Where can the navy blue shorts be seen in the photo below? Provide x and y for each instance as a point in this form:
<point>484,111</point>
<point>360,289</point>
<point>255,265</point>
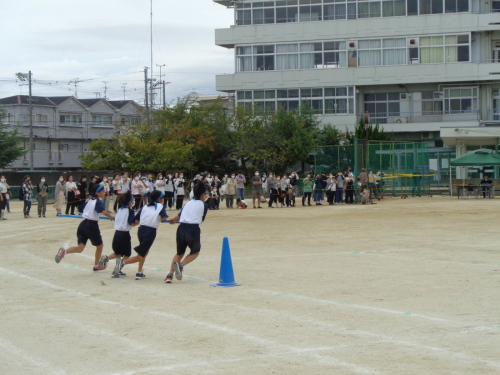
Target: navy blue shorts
<point>146,236</point>
<point>122,243</point>
<point>188,235</point>
<point>89,230</point>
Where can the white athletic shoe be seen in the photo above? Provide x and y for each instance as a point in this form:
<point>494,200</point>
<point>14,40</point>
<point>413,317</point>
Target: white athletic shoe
<point>178,267</point>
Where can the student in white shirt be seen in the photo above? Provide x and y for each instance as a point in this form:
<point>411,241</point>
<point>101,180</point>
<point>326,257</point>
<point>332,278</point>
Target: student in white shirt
<point>89,229</point>
<point>188,232</point>
<point>149,217</point>
<point>122,243</point>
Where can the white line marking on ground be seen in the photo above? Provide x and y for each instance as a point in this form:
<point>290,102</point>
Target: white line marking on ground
<point>223,329</point>
<point>11,348</point>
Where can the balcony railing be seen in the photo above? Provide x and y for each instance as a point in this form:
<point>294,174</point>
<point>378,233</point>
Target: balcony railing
<point>422,117</point>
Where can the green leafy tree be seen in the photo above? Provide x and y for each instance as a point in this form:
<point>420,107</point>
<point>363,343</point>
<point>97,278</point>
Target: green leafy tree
<point>10,144</point>
<point>375,133</point>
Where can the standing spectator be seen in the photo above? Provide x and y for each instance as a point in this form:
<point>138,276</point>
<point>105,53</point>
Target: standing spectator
<point>94,181</point>
<point>281,193</point>
<point>9,196</point>
<point>179,186</point>
<point>169,191</point>
<point>59,194</point>
<point>256,189</point>
<point>264,187</point>
<point>126,182</point>
<point>294,179</point>
<point>82,187</point>
<point>107,191</point>
<point>116,184</point>
<point>339,194</point>
<point>331,188</point>
<point>287,189</point>
<point>137,188</point>
<point>71,195</point>
<point>224,181</point>
<point>4,189</point>
<point>149,187</point>
<point>318,189</point>
<point>240,185</point>
<point>27,188</point>
<point>323,178</point>
<point>308,189</point>
<point>486,184</point>
<point>363,179</point>
<point>42,190</point>
<point>271,188</point>
<point>349,187</point>
<point>230,191</point>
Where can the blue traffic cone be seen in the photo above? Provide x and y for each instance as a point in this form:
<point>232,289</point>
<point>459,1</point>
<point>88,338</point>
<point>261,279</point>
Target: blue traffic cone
<point>226,275</point>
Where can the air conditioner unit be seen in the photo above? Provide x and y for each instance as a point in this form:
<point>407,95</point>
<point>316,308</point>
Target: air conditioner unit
<point>402,95</point>
<point>400,120</point>
<point>427,135</point>
<point>437,95</point>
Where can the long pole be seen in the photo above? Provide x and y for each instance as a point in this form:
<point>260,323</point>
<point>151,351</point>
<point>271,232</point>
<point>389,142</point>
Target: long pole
<point>31,121</point>
<point>146,93</point>
<point>151,42</point>
<point>163,88</point>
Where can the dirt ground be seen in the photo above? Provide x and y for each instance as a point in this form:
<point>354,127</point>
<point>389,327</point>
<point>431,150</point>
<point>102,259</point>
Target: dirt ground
<point>400,287</point>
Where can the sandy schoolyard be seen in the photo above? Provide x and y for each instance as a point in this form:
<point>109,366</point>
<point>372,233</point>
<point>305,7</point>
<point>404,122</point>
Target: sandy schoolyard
<point>400,287</point>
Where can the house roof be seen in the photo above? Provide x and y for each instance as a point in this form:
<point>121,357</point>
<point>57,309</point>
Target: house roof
<point>24,99</point>
<point>60,99</point>
<point>89,102</point>
<point>121,103</point>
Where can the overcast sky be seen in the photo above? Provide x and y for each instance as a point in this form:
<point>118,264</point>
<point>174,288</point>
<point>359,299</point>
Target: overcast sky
<point>109,40</point>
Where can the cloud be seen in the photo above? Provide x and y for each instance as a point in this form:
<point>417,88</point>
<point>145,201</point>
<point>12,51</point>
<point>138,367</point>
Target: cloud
<point>109,41</point>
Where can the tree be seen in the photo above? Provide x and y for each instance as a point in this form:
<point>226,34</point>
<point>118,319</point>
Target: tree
<point>10,144</point>
<point>275,141</point>
<point>366,133</point>
<point>179,138</point>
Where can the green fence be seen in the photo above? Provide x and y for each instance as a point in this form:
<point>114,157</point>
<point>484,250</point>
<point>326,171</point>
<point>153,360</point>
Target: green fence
<point>404,166</point>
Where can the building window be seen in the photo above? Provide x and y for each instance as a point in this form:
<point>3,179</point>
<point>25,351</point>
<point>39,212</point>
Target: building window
<point>328,100</point>
<point>263,15</point>
<point>288,14</point>
<point>70,119</point>
<point>369,52</point>
<point>456,6</point>
<point>431,6</point>
<point>432,104</point>
<point>284,11</point>
<point>460,100</point>
<point>393,8</point>
<point>310,12</point>
<point>263,57</point>
<point>382,105</point>
<point>102,120</point>
<point>243,16</point>
<point>369,9</point>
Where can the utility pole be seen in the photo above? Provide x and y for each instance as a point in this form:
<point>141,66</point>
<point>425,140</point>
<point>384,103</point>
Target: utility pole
<point>162,83</point>
<point>146,93</point>
<point>163,88</point>
<point>23,77</point>
<point>151,50</point>
<point>76,81</point>
<point>105,89</point>
<point>124,87</point>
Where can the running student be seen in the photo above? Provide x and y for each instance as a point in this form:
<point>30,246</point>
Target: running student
<point>188,232</point>
<point>89,228</point>
<point>124,221</point>
<point>150,217</point>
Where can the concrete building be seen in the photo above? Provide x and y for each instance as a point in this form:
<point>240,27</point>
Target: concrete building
<point>413,66</point>
<point>63,127</point>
